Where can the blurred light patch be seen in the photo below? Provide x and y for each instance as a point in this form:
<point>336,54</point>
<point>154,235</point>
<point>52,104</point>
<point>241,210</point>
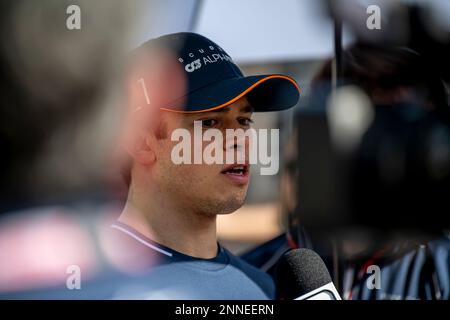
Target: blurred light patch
<point>349,114</point>
<point>36,250</point>
<point>248,226</point>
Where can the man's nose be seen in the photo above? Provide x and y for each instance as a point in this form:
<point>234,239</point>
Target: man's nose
<point>235,142</point>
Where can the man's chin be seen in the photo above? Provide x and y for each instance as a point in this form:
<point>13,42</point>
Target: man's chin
<point>220,202</point>
<point>230,205</point>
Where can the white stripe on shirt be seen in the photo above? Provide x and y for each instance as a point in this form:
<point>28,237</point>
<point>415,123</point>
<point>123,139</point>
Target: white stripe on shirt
<point>146,243</point>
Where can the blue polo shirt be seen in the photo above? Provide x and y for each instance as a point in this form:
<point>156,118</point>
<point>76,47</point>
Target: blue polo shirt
<point>174,275</point>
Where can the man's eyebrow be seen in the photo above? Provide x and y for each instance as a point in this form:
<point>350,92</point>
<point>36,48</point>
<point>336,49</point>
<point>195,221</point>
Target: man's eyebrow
<point>248,108</point>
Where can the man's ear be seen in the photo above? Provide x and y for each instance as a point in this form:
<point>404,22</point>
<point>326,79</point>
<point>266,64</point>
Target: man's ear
<point>141,147</point>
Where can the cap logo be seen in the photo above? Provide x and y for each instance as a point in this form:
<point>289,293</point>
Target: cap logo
<point>207,58</point>
<point>194,65</point>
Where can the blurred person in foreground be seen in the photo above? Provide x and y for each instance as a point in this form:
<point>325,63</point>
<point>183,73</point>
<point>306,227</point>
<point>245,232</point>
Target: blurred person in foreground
<point>171,211</point>
<point>383,196</point>
<point>60,115</point>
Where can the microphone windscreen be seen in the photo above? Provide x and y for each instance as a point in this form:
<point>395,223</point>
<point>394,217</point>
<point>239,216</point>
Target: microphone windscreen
<point>300,271</point>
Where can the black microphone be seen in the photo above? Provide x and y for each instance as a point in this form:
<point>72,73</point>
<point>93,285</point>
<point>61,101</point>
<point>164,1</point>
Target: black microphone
<point>302,275</point>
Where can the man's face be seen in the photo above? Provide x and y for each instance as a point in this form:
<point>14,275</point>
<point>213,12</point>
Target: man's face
<point>205,188</point>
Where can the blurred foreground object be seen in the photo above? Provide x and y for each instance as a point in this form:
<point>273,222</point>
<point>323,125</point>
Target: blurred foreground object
<point>375,152</point>
<point>60,97</point>
<point>421,25</point>
<point>367,173</point>
<point>62,117</point>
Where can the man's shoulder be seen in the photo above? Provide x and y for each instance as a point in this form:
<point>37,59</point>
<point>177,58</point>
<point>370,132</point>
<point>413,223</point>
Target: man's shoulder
<point>262,279</point>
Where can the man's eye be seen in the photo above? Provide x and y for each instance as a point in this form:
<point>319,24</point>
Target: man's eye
<point>209,123</point>
<point>245,121</point>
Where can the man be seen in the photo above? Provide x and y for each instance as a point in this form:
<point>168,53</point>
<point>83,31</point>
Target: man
<point>170,214</point>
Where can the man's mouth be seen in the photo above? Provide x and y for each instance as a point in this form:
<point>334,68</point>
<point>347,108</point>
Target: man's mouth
<point>239,173</point>
<point>236,169</point>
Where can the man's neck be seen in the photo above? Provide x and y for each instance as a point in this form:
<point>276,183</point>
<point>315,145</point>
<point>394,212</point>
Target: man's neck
<point>182,230</point>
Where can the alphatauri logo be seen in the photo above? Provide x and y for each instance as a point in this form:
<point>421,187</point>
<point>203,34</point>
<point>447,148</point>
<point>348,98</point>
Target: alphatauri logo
<point>194,65</point>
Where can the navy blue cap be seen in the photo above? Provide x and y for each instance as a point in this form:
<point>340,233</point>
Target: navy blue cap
<point>214,81</point>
